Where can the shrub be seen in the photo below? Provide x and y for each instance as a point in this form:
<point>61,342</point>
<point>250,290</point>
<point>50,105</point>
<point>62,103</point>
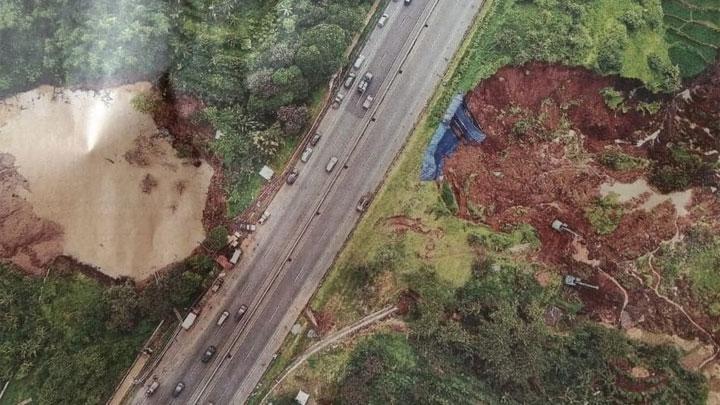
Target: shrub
<point>605,214</point>
<point>216,239</point>
<point>619,161</point>
<point>448,198</point>
<point>146,102</point>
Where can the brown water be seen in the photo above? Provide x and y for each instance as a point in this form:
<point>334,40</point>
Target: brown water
<point>70,146</point>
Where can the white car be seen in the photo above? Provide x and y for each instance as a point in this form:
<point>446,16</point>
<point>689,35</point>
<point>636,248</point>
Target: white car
<point>382,20</point>
<point>306,154</point>
<point>331,164</point>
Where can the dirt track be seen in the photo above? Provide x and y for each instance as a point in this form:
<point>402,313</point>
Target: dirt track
<point>102,185</point>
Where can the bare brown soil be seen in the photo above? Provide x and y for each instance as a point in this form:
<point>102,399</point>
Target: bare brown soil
<point>30,240</point>
<point>547,126</point>
<point>177,114</point>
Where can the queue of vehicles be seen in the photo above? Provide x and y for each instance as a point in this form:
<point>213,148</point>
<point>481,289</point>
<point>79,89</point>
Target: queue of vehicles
<point>292,176</point>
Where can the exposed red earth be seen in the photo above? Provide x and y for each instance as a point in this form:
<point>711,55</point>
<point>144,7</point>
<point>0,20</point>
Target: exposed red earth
<point>547,127</point>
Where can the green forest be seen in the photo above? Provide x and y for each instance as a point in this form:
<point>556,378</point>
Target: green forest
<point>489,341</point>
<point>67,338</point>
<point>255,65</point>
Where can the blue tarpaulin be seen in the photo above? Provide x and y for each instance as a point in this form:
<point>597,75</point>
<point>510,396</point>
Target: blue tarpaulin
<point>445,141</point>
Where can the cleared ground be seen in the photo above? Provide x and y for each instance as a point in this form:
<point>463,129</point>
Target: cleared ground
<point>95,180</point>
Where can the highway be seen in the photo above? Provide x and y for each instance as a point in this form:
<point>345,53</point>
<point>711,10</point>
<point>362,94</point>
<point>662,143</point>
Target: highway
<point>286,259</point>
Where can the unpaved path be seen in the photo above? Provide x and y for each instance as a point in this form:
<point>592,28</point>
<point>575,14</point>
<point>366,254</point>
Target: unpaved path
<point>335,337</point>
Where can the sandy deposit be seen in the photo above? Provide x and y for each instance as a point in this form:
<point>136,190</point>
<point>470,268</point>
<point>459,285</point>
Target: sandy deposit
<point>97,168</point>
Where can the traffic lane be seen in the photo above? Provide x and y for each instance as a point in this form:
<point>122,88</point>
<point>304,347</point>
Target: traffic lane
<point>200,348</point>
<point>329,231</point>
<point>381,59</point>
<point>292,277</point>
<point>321,233</point>
<point>457,36</point>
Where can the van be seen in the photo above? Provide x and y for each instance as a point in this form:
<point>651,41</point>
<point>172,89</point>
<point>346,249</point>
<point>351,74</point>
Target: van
<point>222,318</point>
<point>306,154</point>
<point>382,20</point>
<point>359,62</point>
<point>236,256</point>
<point>331,164</point>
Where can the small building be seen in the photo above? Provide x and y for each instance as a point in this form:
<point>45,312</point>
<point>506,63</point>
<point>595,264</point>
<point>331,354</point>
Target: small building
<point>302,397</point>
<point>266,173</point>
<point>223,262</point>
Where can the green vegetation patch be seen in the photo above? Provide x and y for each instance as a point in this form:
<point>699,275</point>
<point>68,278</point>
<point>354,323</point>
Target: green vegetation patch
<point>488,340</point>
<point>65,337</point>
<point>605,214</point>
<point>693,33</point>
<point>616,160</point>
<point>697,259</point>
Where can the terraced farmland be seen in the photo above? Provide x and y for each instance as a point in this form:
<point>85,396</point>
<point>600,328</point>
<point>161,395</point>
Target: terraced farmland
<point>693,32</point>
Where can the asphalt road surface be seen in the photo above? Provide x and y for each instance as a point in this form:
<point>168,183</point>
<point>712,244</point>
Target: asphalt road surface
<point>287,257</point>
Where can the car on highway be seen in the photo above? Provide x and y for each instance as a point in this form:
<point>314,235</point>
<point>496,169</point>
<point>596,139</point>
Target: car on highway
<point>153,387</point>
<point>208,354</point>
<point>222,318</point>
<point>407,2</point>
<point>331,164</point>
<point>292,176</point>
<point>338,100</point>
<point>368,102</point>
<point>350,80</point>
<point>364,202</point>
<point>382,20</point>
<point>240,313</point>
<point>359,62</point>
<point>178,389</point>
<point>217,285</point>
<point>264,217</point>
<point>306,154</point>
<point>315,139</point>
<point>365,82</point>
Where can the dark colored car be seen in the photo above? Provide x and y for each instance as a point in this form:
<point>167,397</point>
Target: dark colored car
<point>240,313</point>
<point>364,202</point>
<point>209,353</point>
<point>292,176</point>
<point>315,139</point>
<point>178,389</point>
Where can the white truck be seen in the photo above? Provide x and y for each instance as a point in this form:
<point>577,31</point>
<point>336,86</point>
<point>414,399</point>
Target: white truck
<point>365,82</point>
